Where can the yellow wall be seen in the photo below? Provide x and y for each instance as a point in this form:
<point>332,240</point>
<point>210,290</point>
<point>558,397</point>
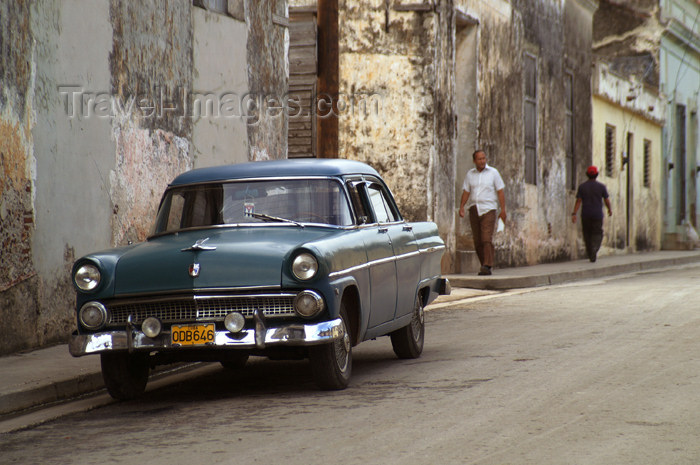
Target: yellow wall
<point>646,218</point>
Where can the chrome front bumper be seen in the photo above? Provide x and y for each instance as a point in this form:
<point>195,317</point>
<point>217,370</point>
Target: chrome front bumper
<point>254,338</point>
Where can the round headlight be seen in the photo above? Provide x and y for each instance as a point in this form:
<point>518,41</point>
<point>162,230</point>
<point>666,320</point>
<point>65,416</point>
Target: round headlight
<point>87,277</point>
<point>305,266</point>
<point>234,322</point>
<point>308,304</point>
<point>93,315</point>
<point>151,327</point>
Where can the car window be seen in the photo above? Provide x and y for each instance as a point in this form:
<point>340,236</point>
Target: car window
<point>382,211</point>
<point>361,212</point>
<point>320,201</point>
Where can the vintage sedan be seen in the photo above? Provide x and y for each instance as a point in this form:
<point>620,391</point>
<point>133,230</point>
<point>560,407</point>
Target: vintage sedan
<point>284,259</point>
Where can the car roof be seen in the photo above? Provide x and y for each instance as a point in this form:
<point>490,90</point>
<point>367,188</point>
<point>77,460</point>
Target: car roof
<point>275,168</point>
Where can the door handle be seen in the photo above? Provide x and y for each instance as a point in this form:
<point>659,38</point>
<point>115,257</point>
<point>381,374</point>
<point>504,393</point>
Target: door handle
<point>383,230</point>
<point>408,228</point>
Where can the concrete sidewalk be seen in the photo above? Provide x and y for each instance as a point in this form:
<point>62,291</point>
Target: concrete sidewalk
<point>32,379</point>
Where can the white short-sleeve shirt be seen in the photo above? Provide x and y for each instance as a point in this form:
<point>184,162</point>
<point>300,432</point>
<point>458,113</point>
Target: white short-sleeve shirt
<point>483,187</point>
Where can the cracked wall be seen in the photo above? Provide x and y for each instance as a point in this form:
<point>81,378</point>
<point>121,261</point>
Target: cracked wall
<point>268,73</point>
<point>410,55</point>
<point>17,272</point>
<point>95,121</point>
<point>151,59</point>
<point>397,92</point>
<point>558,35</point>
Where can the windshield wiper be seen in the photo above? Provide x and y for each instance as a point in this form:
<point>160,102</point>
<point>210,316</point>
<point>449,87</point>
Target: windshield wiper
<point>270,218</point>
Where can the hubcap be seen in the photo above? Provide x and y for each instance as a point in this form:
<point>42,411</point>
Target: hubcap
<point>342,349</point>
<point>417,322</point>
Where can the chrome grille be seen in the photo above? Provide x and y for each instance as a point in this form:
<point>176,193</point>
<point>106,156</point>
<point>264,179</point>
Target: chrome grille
<point>201,308</point>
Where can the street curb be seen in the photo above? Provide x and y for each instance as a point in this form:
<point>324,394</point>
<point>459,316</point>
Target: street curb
<point>16,402</point>
<point>501,283</point>
<point>19,402</point>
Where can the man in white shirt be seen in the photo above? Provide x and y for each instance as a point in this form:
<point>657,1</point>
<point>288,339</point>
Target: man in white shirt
<point>483,188</point>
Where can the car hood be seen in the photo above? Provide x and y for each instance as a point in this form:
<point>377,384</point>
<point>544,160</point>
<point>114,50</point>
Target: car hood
<point>230,257</point>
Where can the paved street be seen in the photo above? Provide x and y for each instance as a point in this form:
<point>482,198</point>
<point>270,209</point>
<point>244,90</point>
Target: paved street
<point>596,372</point>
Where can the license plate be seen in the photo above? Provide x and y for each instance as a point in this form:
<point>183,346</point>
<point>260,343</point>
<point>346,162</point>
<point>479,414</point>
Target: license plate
<point>192,335</point>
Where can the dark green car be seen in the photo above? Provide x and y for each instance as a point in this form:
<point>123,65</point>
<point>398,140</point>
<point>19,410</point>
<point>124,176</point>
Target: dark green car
<point>285,259</point>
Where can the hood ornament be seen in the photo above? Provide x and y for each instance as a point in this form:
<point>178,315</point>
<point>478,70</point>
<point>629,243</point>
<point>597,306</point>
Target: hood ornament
<point>199,245</point>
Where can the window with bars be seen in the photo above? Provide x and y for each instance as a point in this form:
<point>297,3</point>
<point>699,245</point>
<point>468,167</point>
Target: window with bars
<point>530,116</point>
<point>609,150</point>
<point>569,142</point>
<point>647,163</point>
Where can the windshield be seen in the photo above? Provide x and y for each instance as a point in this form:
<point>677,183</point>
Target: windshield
<point>297,200</point>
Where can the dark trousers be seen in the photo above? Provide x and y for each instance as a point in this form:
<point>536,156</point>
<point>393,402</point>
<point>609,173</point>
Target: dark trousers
<point>592,235</point>
<point>482,232</point>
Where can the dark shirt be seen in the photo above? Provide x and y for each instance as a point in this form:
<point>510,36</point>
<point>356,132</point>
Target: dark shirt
<point>592,194</point>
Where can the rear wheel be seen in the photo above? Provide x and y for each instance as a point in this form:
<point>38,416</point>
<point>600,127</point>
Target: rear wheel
<point>407,342</point>
<point>331,364</point>
<point>125,375</point>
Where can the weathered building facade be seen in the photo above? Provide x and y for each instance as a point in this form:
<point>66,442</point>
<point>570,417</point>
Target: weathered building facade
<point>102,103</point>
<point>422,84</point>
<point>628,118</point>
<point>658,42</point>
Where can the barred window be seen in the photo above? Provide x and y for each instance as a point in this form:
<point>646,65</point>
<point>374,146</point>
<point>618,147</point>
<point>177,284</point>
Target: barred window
<point>647,163</point>
<point>530,116</point>
<point>609,150</point>
<point>569,142</point>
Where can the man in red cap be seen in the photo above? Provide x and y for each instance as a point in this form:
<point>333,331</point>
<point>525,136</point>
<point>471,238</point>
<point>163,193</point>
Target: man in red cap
<point>592,194</point>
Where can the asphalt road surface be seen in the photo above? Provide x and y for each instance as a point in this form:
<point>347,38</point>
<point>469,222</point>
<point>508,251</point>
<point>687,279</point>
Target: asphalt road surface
<point>599,372</point>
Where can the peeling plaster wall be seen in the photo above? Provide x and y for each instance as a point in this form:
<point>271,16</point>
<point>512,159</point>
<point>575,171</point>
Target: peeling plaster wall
<point>17,214</point>
<point>95,120</point>
<point>627,34</point>
<point>385,78</point>
<point>151,59</point>
<point>396,109</point>
<point>74,152</point>
<point>219,133</point>
<point>405,54</point>
<point>559,34</point>
<point>268,77</point>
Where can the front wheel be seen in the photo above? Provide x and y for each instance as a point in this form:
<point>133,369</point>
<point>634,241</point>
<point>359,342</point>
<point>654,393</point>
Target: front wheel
<point>125,375</point>
<point>331,364</point>
<point>407,342</point>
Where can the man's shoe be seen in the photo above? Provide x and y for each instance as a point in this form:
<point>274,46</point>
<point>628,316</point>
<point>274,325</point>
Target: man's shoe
<point>485,271</point>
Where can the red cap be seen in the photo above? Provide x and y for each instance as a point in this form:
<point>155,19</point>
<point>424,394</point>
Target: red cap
<point>592,171</point>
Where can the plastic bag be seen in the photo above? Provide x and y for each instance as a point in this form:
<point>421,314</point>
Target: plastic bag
<point>501,226</point>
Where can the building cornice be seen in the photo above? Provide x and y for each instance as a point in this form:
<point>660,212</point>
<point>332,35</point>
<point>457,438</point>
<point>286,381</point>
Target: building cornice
<point>682,34</point>
<point>629,94</point>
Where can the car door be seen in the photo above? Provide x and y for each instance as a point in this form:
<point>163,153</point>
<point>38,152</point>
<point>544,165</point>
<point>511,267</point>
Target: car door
<point>380,256</point>
<point>403,244</point>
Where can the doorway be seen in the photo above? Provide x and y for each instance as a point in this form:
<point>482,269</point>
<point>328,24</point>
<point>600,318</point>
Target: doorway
<point>466,115</point>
